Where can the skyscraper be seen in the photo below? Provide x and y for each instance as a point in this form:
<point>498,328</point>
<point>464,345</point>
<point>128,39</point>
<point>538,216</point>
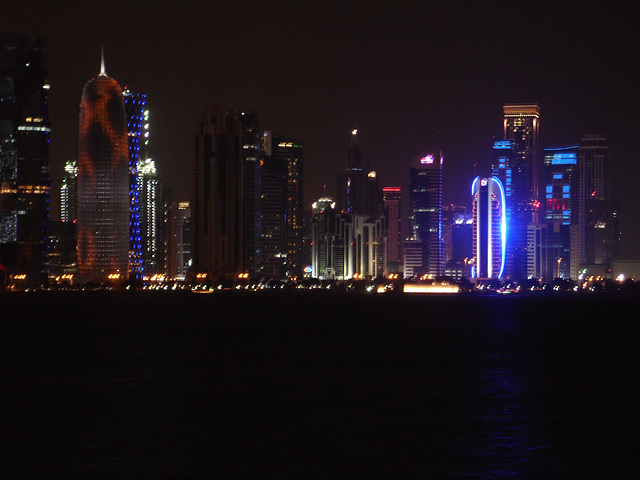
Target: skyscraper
<point>522,128</point>
<point>151,216</point>
<point>103,181</point>
<point>516,163</point>
<point>559,206</point>
<point>280,186</point>
<point>217,207</point>
<point>251,145</point>
<point>178,250</point>
<point>69,192</point>
<point>598,213</point>
<point>135,109</point>
<point>392,198</point>
<point>425,211</point>
<point>24,157</point>
<point>352,184</point>
<point>489,228</point>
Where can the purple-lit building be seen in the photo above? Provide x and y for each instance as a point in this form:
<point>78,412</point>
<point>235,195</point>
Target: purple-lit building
<point>489,228</point>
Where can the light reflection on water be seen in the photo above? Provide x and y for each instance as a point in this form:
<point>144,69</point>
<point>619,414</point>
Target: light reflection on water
<point>354,386</point>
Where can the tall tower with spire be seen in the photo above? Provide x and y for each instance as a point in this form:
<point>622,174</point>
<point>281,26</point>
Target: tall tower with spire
<point>352,183</point>
<point>103,180</point>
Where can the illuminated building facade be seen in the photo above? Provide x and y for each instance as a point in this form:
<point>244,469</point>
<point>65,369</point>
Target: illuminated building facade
<point>489,228</point>
<point>135,110</point>
<point>151,216</point>
<point>103,181</point>
<point>516,163</point>
<point>24,157</point>
<point>392,199</point>
<point>559,206</point>
<point>425,211</point>
<point>522,128</point>
<point>369,246</point>
<point>69,193</point>
<point>217,206</point>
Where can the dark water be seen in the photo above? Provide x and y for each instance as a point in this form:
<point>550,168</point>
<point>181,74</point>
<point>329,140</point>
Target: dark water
<point>320,386</point>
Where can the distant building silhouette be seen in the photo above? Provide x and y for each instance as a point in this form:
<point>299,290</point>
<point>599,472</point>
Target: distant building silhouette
<point>24,157</point>
<point>392,199</point>
<point>217,207</point>
<point>598,212</point>
<point>425,214</point>
<point>280,201</point>
<point>178,249</point>
<point>103,181</point>
<point>352,183</point>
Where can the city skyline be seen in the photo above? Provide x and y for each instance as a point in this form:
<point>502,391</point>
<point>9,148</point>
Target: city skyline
<point>398,73</point>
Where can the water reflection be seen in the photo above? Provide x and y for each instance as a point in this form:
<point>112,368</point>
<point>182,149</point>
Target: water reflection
<point>508,441</point>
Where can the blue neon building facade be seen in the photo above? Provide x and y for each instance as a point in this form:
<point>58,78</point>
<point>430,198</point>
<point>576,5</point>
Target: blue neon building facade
<point>560,207</point>
<point>135,112</point>
<point>489,228</point>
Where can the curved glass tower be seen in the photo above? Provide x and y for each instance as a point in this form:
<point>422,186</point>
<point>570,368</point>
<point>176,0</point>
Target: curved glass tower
<point>489,228</point>
<point>103,181</point>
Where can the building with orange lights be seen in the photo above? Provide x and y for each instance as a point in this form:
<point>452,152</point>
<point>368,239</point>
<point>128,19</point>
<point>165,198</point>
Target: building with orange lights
<point>103,181</point>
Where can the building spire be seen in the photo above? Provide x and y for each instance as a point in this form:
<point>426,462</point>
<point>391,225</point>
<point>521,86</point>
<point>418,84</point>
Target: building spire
<point>103,72</point>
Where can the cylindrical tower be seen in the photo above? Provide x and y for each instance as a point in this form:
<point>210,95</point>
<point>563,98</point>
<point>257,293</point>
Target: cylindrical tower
<point>103,181</point>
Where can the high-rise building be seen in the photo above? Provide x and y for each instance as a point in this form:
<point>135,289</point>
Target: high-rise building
<point>151,216</point>
<point>489,228</point>
<point>457,234</point>
<point>24,157</point>
<point>280,191</point>
<point>425,211</point>
<point>598,213</point>
<point>103,181</point>
<point>559,206</point>
<point>69,193</point>
<point>517,165</point>
<point>369,246</point>
<point>217,207</point>
<point>352,183</point>
<point>135,109</point>
<point>522,128</point>
<point>251,145</point>
<point>178,249</point>
<point>322,238</point>
<point>392,198</point>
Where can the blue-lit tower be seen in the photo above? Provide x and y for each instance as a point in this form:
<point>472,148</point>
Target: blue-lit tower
<point>508,167</point>
<point>560,209</point>
<point>489,228</point>
<point>135,111</point>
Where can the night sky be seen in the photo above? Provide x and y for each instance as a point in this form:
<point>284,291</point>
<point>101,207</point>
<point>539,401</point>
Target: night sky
<point>399,72</point>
